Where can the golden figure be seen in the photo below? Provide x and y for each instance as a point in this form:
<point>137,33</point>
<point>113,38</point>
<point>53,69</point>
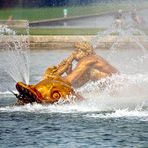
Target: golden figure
<point>55,85</point>
<point>89,66</point>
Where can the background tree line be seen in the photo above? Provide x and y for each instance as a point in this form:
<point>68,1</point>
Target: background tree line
<point>46,3</point>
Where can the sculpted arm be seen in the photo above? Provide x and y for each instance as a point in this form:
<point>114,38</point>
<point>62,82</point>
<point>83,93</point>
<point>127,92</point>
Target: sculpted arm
<point>65,66</point>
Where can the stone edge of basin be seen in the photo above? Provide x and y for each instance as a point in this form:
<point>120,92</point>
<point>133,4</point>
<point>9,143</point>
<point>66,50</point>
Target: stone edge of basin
<point>56,42</point>
<point>67,41</point>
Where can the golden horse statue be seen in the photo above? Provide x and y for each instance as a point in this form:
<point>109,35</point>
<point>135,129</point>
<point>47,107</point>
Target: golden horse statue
<point>59,81</point>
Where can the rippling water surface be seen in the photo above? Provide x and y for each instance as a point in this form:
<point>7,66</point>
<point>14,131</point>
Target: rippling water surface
<point>114,117</point>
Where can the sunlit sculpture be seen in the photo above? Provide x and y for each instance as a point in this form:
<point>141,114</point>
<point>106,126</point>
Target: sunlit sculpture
<point>60,81</point>
<point>89,66</point>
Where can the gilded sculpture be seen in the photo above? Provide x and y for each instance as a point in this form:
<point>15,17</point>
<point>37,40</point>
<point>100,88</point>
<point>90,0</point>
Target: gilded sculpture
<point>61,80</point>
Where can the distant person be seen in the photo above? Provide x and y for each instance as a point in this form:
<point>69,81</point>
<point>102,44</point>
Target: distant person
<point>65,12</point>
<point>9,20</point>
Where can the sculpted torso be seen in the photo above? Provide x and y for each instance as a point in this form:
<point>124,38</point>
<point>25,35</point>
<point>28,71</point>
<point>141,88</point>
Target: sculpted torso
<point>89,66</point>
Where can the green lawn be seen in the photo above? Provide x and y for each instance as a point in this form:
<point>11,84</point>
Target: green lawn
<point>64,31</point>
<point>61,31</point>
<point>32,14</point>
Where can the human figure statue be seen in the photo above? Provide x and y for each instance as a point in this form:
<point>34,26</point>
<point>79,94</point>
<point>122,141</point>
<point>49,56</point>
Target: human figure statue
<point>135,17</point>
<point>119,19</point>
<point>89,66</point>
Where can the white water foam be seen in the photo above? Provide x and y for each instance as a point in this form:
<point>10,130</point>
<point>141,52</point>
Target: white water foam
<point>8,92</point>
<point>122,92</point>
<point>125,113</point>
<point>5,93</point>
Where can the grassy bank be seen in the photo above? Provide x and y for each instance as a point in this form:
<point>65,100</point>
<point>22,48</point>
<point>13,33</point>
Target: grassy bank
<point>33,14</point>
<point>61,31</point>
<point>65,31</point>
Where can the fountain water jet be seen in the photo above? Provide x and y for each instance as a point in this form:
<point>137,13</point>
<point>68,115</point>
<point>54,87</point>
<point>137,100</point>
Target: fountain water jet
<point>123,90</point>
<point>119,36</point>
<point>123,36</point>
<point>16,52</point>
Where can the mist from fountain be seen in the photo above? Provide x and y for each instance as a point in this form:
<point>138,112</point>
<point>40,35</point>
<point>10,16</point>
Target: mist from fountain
<point>127,37</point>
<point>16,53</point>
<point>123,90</point>
<point>132,34</point>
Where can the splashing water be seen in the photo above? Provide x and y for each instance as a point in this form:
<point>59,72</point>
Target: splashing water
<point>121,92</point>
<point>124,36</point>
<point>16,53</point>
<point>127,90</point>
